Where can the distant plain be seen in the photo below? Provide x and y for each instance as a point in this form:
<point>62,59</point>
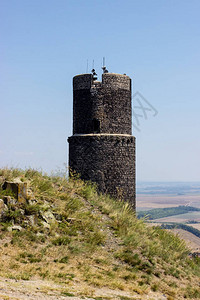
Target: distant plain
<point>167,194</point>
<point>152,195</point>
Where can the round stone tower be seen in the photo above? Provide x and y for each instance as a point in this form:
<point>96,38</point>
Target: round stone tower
<point>102,148</point>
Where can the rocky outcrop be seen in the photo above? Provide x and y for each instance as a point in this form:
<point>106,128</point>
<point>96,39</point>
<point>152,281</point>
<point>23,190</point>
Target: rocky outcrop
<point>20,208</point>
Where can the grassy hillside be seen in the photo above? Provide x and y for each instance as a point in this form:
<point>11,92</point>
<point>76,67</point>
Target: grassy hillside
<point>68,234</point>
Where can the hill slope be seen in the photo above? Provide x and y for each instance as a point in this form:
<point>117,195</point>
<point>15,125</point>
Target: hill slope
<point>86,244</point>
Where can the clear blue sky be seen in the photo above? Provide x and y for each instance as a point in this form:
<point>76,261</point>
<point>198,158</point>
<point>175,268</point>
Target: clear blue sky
<point>44,43</point>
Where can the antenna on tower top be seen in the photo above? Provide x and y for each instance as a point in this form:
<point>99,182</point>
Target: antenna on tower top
<point>87,67</point>
<point>104,67</point>
<point>93,71</point>
<point>104,61</point>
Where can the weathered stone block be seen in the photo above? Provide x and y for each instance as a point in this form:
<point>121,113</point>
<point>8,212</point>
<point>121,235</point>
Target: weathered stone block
<point>19,189</point>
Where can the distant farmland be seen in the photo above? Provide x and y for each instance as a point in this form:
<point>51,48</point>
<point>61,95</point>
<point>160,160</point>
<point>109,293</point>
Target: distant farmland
<point>152,195</point>
<point>181,218</point>
<point>166,212</point>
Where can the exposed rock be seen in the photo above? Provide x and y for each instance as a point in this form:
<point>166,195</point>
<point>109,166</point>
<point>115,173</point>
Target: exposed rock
<point>22,212</point>
<point>45,224</point>
<point>58,217</point>
<point>17,180</point>
<point>9,201</point>
<point>45,205</point>
<point>3,208</point>
<point>32,201</point>
<point>39,234</point>
<point>1,204</point>
<point>29,193</point>
<point>15,227</point>
<point>47,216</point>
<point>31,220</point>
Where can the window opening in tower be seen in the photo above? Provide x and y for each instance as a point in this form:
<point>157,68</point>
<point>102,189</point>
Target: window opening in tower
<point>95,126</point>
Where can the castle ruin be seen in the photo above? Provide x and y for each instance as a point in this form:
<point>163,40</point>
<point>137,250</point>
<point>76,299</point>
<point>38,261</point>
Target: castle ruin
<point>102,148</point>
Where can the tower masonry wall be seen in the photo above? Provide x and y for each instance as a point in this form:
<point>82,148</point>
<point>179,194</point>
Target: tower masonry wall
<point>102,148</point>
<point>82,82</point>
<point>116,81</point>
<point>107,160</point>
<point>107,102</point>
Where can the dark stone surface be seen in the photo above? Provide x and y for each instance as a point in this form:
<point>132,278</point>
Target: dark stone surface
<point>107,160</point>
<point>108,101</point>
<point>102,148</point>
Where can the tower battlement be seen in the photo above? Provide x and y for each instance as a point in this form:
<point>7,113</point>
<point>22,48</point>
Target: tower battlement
<point>109,80</point>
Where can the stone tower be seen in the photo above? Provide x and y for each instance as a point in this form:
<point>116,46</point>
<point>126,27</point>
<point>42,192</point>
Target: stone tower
<point>102,148</point>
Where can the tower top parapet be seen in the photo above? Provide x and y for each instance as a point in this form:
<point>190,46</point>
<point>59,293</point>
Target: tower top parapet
<point>102,106</point>
<point>109,80</point>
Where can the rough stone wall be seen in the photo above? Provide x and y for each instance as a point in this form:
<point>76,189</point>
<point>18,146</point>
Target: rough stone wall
<point>102,148</point>
<point>108,101</point>
<point>82,82</point>
<point>107,160</point>
<point>116,81</point>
